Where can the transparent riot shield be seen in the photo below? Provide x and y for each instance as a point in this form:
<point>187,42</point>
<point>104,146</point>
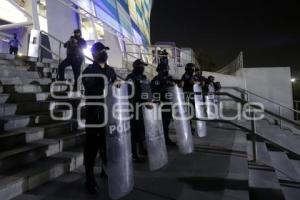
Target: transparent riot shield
<point>211,108</point>
<point>118,143</point>
<point>200,111</point>
<point>155,139</point>
<point>182,124</point>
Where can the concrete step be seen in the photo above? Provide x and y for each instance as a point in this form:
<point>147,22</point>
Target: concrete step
<point>32,88</point>
<point>60,128</point>
<point>284,167</point>
<point>14,67</point>
<point>70,140</point>
<point>19,73</point>
<point>288,142</point>
<point>9,123</point>
<point>287,174</point>
<point>24,80</point>
<point>24,97</point>
<point>263,156</point>
<point>7,58</point>
<point>24,108</point>
<point>235,195</point>
<point>4,98</point>
<point>282,138</point>
<point>19,137</point>
<point>13,122</point>
<point>28,153</point>
<point>28,177</point>
<point>263,182</point>
<point>296,164</point>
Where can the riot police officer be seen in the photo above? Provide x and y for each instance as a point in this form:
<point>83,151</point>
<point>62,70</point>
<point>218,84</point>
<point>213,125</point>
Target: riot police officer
<point>209,85</point>
<point>198,78</point>
<point>188,78</point>
<point>75,57</point>
<point>140,83</point>
<point>160,89</point>
<point>188,81</point>
<point>95,137</point>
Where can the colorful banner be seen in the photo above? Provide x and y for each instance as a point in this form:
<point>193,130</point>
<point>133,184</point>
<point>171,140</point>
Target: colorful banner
<point>130,17</point>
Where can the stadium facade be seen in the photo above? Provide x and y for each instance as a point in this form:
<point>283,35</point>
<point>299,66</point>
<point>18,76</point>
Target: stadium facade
<point>123,25</point>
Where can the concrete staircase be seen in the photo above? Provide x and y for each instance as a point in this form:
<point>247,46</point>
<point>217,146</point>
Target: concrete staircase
<point>221,168</point>
<point>34,148</point>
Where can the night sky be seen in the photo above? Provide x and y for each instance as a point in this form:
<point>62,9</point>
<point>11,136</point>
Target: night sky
<point>268,32</point>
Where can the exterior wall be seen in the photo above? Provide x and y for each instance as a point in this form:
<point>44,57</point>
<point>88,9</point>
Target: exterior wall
<point>61,23</point>
<point>272,83</point>
<point>228,81</point>
<point>115,54</point>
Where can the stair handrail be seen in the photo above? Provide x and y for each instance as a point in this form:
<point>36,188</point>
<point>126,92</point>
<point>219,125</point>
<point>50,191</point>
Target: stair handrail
<point>280,117</point>
<point>241,90</point>
<point>93,16</point>
<point>111,29</point>
<point>29,17</point>
<point>58,55</point>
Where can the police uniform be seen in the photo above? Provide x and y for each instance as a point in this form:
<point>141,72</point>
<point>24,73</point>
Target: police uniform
<point>188,80</point>
<point>141,95</point>
<point>95,137</point>
<point>160,86</point>
<point>74,58</point>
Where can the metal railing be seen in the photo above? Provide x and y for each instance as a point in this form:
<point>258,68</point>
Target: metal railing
<point>284,122</point>
<point>253,129</point>
<point>297,107</point>
<point>245,94</point>
<point>176,59</point>
<point>89,15</point>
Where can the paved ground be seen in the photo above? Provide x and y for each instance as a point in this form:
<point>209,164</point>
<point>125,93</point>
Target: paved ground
<point>216,170</point>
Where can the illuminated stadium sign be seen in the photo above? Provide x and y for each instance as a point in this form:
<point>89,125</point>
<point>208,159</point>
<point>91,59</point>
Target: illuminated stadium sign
<point>130,17</point>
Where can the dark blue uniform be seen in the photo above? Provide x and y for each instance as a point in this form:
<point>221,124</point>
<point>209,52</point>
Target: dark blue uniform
<point>141,95</point>
<point>188,81</point>
<point>160,86</point>
<point>74,59</point>
<point>95,137</point>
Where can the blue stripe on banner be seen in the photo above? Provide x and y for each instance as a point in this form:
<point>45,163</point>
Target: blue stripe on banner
<point>124,4</point>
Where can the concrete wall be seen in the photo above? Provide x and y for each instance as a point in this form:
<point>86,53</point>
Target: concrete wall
<point>61,22</point>
<point>272,83</point>
<point>115,53</point>
<point>228,81</point>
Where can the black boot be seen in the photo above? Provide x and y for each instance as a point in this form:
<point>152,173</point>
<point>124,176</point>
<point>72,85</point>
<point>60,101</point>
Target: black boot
<point>138,159</point>
<point>142,150</point>
<point>91,183</point>
<point>103,174</point>
<point>169,142</point>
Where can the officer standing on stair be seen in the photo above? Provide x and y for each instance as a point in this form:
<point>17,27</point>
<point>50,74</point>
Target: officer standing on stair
<point>140,83</point>
<point>160,89</point>
<point>188,80</point>
<point>75,57</point>
<point>96,137</point>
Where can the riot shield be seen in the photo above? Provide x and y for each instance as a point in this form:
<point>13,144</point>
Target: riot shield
<point>155,139</point>
<point>118,143</point>
<point>182,124</point>
<point>211,109</point>
<point>200,111</point>
<point>146,90</point>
